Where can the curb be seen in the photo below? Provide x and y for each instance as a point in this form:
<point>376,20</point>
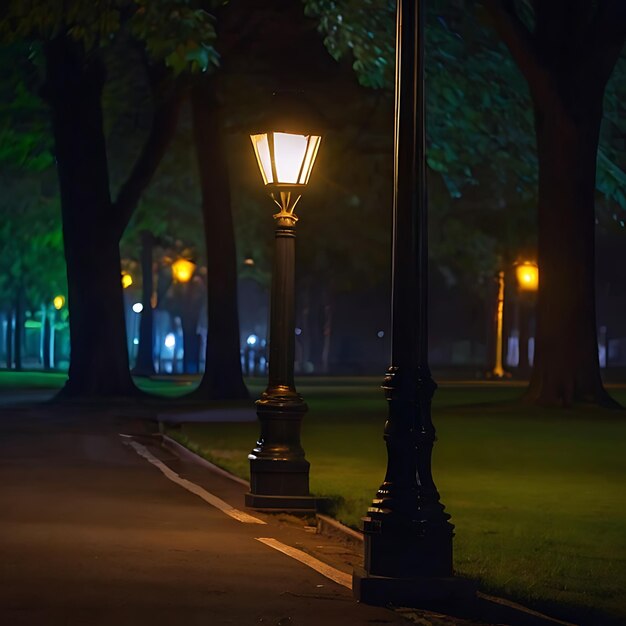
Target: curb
<point>330,527</point>
<point>186,453</point>
<point>326,525</point>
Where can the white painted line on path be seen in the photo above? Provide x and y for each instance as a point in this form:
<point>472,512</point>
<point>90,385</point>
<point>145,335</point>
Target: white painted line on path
<point>218,503</point>
<point>341,578</point>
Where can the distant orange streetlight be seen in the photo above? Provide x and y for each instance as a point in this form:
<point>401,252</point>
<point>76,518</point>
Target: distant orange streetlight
<point>182,270</point>
<point>127,280</point>
<point>58,302</point>
<point>527,274</point>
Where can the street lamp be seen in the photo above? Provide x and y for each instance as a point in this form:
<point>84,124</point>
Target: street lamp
<point>58,302</point>
<point>127,280</point>
<point>183,270</point>
<point>279,471</point>
<point>407,535</point>
<point>527,275</point>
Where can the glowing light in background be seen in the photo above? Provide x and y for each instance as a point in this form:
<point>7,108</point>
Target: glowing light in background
<point>58,302</point>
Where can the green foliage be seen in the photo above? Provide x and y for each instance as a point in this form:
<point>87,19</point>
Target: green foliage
<point>611,180</point>
<point>25,137</point>
<point>479,115</point>
<point>31,242</point>
<point>363,28</point>
<point>480,135</point>
<point>30,231</point>
<point>178,32</point>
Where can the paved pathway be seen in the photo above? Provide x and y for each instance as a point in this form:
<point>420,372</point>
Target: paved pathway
<point>101,525</point>
<point>93,534</point>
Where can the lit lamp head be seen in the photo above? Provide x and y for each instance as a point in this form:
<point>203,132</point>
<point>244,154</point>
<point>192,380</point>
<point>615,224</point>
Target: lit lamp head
<point>182,270</point>
<point>286,153</point>
<point>527,274</point>
<point>58,302</point>
<point>127,280</point>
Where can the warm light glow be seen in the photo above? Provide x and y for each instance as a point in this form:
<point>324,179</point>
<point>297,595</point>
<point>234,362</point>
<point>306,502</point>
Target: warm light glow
<point>182,270</point>
<point>527,276</point>
<point>137,307</point>
<point>58,302</point>
<point>127,280</point>
<point>285,158</point>
<point>289,151</point>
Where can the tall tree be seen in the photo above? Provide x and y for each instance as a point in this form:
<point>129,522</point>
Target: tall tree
<point>175,35</point>
<point>222,377</point>
<point>567,52</point>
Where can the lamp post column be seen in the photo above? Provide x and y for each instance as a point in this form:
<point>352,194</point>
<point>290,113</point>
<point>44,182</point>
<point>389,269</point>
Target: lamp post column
<point>408,538</point>
<point>498,369</point>
<point>279,471</point>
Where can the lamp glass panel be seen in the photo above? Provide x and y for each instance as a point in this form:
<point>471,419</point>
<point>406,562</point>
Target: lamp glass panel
<point>262,151</point>
<point>289,153</point>
<point>309,158</point>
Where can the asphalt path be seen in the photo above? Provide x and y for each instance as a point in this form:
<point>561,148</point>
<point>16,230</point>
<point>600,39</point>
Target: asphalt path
<point>91,533</point>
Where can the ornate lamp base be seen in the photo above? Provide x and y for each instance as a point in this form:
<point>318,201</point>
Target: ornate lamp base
<point>419,592</point>
<point>298,505</point>
<point>279,471</point>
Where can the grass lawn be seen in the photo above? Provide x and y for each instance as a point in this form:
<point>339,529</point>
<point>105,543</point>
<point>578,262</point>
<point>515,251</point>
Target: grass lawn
<point>537,495</point>
<point>37,380</point>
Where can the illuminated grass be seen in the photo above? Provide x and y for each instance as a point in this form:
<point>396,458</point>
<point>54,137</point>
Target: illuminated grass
<point>537,495</point>
<point>37,380</point>
<point>10,380</point>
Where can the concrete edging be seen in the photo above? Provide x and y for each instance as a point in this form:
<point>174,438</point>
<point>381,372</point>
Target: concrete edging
<point>326,525</point>
<point>186,453</point>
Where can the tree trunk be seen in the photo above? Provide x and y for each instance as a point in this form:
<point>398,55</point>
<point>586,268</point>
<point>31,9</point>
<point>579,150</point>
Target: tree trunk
<point>47,341</point>
<point>327,332</point>
<point>222,377</point>
<point>18,332</point>
<point>9,339</point>
<point>189,325</point>
<point>145,350</point>
<point>566,367</point>
<point>523,366</point>
<point>42,334</point>
<point>99,357</point>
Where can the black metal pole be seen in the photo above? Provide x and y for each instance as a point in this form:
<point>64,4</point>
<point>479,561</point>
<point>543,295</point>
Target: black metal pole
<point>408,538</point>
<point>279,471</point>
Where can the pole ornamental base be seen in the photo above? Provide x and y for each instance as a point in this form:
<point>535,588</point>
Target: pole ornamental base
<point>284,504</point>
<point>424,593</point>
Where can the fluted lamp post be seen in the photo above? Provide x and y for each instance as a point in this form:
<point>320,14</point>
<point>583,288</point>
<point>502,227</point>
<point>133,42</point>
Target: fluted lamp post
<point>407,533</point>
<point>279,471</point>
